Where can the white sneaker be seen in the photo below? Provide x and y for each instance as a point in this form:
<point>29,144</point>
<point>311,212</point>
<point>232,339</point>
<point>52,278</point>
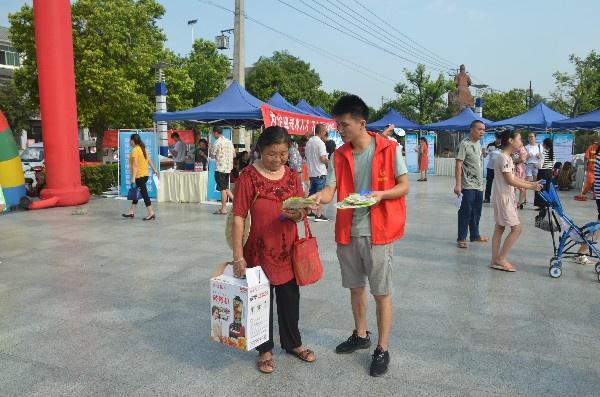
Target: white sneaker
<point>583,260</point>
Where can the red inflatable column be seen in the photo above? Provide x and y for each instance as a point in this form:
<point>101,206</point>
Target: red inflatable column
<point>56,79</point>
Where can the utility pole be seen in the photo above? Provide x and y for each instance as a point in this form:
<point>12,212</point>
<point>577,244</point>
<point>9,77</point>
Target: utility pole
<point>239,66</point>
<point>238,44</point>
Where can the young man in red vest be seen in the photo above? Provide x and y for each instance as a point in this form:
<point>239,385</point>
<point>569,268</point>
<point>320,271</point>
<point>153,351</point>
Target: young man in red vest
<point>366,162</point>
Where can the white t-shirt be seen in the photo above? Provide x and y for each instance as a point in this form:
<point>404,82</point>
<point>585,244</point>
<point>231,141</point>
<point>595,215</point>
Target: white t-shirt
<point>532,150</point>
<point>315,148</point>
<point>181,152</point>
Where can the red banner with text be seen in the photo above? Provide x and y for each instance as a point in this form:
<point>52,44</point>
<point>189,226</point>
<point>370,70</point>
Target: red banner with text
<point>295,123</point>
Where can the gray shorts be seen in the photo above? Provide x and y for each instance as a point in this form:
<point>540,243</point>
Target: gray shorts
<point>361,262</point>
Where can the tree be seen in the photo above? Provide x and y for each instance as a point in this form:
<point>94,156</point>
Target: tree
<point>180,85</point>
<point>502,105</point>
<point>16,107</point>
<point>208,70</point>
<point>284,73</point>
<point>422,98</point>
<point>579,92</point>
<point>116,44</point>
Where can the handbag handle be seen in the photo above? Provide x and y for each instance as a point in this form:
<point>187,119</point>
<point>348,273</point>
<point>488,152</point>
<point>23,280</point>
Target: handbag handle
<point>307,231</point>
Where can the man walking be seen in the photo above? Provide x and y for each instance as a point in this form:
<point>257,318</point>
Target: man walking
<point>178,152</point>
<point>223,152</point>
<point>316,161</point>
<point>469,184</point>
<point>491,152</point>
<point>365,236</point>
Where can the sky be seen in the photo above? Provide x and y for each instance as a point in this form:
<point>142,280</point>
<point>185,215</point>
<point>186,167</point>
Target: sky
<point>504,44</point>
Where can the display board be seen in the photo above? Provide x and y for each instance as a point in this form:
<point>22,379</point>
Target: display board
<point>563,147</point>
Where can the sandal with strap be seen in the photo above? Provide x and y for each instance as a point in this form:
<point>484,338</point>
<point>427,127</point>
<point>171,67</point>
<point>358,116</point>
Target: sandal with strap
<point>462,244</point>
<point>304,355</point>
<point>507,267</point>
<point>481,239</point>
<point>265,366</point>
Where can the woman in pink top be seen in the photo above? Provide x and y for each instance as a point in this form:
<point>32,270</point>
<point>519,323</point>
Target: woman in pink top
<point>505,209</point>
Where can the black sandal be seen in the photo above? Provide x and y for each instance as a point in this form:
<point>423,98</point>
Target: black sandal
<point>149,218</point>
<point>128,215</point>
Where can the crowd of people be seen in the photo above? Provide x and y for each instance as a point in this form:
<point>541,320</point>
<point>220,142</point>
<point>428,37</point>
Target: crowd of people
<point>373,164</point>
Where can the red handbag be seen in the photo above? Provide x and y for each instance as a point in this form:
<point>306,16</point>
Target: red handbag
<point>305,258</point>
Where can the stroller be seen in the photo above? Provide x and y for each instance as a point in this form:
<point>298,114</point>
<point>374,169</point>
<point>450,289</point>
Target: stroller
<point>571,235</point>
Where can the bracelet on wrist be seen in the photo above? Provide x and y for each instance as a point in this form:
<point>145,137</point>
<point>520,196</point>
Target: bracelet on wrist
<point>237,261</point>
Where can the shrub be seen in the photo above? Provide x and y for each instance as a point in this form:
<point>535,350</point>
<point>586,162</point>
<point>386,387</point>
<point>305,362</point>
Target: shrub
<point>99,178</point>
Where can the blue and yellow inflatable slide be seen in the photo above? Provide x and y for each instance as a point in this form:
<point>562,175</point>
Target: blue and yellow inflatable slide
<point>11,171</point>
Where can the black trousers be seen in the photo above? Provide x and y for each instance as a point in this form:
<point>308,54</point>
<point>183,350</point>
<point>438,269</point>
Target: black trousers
<point>288,311</point>
<point>547,175</point>
<point>598,206</point>
<point>489,181</point>
<point>141,183</point>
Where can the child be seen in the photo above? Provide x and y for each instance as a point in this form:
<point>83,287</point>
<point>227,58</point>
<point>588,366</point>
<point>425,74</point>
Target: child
<point>565,177</point>
<point>555,170</point>
<point>505,210</point>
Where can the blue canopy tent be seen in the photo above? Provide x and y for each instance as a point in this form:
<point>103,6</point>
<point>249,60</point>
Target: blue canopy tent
<point>278,101</point>
<point>234,106</point>
<point>586,121</point>
<point>539,117</point>
<point>393,117</point>
<point>305,106</point>
<point>460,122</point>
<point>322,112</point>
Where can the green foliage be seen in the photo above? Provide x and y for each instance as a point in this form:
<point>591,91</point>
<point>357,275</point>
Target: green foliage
<point>283,72</point>
<point>180,85</point>
<point>502,105</point>
<point>16,107</point>
<point>116,43</point>
<point>422,98</point>
<point>208,70</point>
<point>99,178</point>
<point>579,92</point>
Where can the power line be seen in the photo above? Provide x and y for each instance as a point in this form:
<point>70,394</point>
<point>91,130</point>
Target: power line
<point>361,39</point>
<point>377,35</point>
<point>344,62</point>
<point>402,44</point>
<point>404,35</point>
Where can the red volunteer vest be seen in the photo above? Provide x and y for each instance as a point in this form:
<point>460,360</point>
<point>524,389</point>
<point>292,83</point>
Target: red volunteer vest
<point>389,216</point>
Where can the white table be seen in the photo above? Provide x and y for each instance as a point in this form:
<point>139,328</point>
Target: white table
<point>183,187</point>
<point>444,166</point>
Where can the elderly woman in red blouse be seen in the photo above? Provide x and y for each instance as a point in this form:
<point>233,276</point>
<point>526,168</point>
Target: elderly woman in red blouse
<point>261,190</point>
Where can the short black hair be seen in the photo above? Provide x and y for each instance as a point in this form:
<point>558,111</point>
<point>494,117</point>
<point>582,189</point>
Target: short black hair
<point>218,130</point>
<point>175,135</point>
<point>320,127</point>
<point>475,122</point>
<point>353,105</point>
<point>272,135</point>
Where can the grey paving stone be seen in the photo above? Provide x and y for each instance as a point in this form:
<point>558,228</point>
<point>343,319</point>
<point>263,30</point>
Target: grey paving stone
<point>102,306</point>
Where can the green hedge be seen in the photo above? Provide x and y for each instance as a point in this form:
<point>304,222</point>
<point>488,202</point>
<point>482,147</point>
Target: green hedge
<point>99,178</point>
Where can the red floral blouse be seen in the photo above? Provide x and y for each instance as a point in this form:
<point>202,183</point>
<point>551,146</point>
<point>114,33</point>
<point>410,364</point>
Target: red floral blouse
<point>271,238</point>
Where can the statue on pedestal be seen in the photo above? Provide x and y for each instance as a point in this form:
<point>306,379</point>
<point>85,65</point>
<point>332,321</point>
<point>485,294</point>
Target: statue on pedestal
<point>462,95</point>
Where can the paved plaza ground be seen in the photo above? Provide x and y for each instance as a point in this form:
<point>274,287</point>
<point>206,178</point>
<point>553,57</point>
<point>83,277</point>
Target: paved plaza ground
<point>97,305</point>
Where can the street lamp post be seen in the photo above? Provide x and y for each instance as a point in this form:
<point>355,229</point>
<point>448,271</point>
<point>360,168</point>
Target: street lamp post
<point>191,23</point>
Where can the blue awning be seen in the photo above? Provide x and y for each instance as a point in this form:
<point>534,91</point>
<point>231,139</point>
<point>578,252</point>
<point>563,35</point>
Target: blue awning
<point>235,106</point>
<point>460,122</point>
<point>585,121</point>
<point>539,117</point>
<point>278,101</point>
<point>305,106</point>
<point>393,117</point>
